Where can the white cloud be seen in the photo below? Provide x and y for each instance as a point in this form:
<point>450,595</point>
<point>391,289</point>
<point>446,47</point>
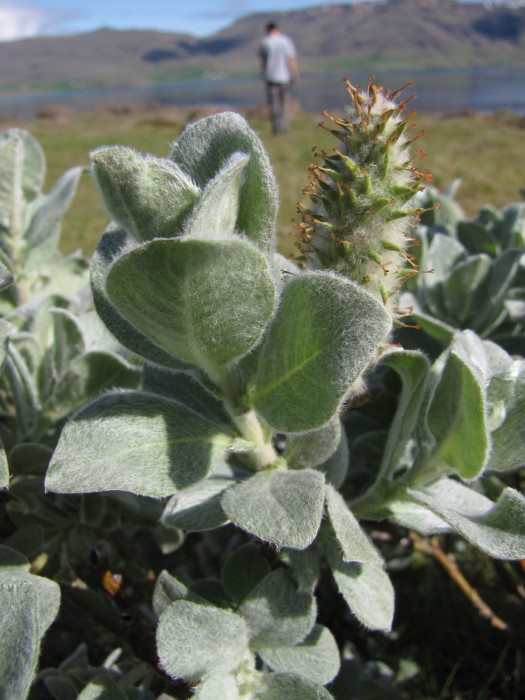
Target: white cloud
<point>22,20</point>
<point>19,21</point>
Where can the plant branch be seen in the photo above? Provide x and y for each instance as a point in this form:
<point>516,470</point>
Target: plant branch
<point>433,548</point>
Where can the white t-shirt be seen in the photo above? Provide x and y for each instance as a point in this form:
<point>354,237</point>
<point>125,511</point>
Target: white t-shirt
<point>275,50</point>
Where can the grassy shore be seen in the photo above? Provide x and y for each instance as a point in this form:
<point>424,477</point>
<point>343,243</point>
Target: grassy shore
<point>485,151</point>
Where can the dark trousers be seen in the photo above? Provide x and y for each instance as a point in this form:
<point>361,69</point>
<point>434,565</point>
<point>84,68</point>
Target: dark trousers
<point>277,95</point>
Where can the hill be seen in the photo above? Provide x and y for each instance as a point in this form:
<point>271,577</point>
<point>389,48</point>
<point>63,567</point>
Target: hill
<point>372,36</point>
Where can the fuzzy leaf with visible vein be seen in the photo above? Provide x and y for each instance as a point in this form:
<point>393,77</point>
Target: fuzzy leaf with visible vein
<point>195,640</point>
<point>323,336</point>
<point>111,245</point>
<point>353,541</point>
<point>42,235</point>
<point>138,442</point>
<point>282,685</point>
<point>311,449</point>
<point>217,208</point>
<point>149,197</point>
<point>198,507</point>
<point>412,368</point>
<point>206,145</point>
<point>315,659</point>
<point>20,638</point>
<point>456,418</point>
<point>277,613</point>
<point>215,686</point>
<point>210,302</point>
<point>498,529</point>
<point>366,588</point>
<point>281,507</point>
<point>244,569</point>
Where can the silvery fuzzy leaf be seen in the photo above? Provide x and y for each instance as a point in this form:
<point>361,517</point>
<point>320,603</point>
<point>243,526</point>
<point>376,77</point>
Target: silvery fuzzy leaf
<point>511,226</point>
<point>456,419</point>
<point>112,244</point>
<point>283,685</point>
<point>312,449</point>
<point>137,442</point>
<point>281,507</point>
<point>354,543</point>
<point>149,197</point>
<point>215,686</point>
<point>28,606</point>
<point>305,566</point>
<point>169,589</point>
<point>504,380</point>
<point>324,334</point>
<point>186,388</point>
<point>277,613</point>
<point>508,445</point>
<point>498,529</point>
<point>23,168</point>
<point>198,507</point>
<point>315,659</point>
<point>217,208</point>
<point>217,642</point>
<point>21,367</point>
<point>367,590</point>
<point>206,145</point>
<point>244,569</point>
<point>463,288</point>
<point>44,230</point>
<point>283,270</point>
<point>210,303</point>
<point>476,238</point>
<point>412,368</point>
<point>20,639</point>
<point>67,339</point>
<point>415,517</point>
<point>443,254</point>
<point>86,377</point>
<point>502,273</point>
<point>335,468</point>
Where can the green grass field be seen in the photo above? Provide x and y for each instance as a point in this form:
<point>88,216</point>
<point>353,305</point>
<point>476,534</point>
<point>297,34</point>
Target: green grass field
<point>485,151</point>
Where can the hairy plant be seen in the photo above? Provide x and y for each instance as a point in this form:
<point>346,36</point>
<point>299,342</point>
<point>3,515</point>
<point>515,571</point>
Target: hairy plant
<point>362,194</point>
<point>237,434</point>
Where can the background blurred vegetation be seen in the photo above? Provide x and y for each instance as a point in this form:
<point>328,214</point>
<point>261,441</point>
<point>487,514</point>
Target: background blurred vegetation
<point>486,152</point>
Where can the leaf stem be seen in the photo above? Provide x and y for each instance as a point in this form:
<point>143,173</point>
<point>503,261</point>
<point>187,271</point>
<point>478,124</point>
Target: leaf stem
<point>263,454</point>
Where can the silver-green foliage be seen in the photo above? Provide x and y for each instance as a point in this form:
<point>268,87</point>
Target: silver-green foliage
<point>30,223</point>
<point>240,347</point>
<point>28,606</point>
<point>249,360</point>
<point>473,274</point>
<point>54,353</point>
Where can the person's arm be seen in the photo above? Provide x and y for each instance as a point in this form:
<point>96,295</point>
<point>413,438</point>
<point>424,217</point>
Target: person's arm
<point>294,71</point>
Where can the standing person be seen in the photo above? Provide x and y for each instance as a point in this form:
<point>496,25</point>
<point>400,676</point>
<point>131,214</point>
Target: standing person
<point>279,68</point>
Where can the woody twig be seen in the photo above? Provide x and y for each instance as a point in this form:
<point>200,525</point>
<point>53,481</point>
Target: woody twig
<point>432,548</point>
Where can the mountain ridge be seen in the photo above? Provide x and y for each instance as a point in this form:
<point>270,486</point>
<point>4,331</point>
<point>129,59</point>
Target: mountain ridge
<point>329,38</point>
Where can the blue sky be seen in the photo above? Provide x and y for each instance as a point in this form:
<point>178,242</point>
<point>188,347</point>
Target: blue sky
<point>25,18</point>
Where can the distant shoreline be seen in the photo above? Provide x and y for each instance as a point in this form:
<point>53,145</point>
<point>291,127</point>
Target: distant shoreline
<point>498,88</point>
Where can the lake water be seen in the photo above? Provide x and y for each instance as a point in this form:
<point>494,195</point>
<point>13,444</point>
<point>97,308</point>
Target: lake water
<point>482,89</point>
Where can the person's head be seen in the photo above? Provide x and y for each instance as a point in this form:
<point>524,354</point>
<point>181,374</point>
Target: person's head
<point>272,27</point>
